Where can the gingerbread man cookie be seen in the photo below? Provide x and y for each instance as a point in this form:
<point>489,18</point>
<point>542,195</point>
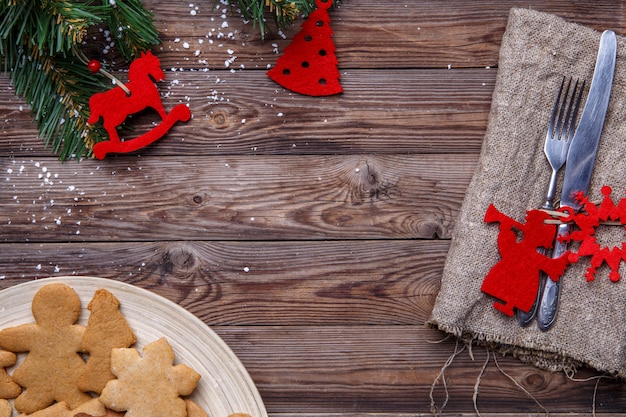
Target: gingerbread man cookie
<point>8,388</point>
<point>51,369</point>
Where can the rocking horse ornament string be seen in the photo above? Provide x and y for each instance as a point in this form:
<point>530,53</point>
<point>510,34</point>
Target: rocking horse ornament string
<point>140,93</point>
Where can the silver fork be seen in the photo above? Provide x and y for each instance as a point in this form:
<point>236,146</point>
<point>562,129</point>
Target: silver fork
<point>559,136</point>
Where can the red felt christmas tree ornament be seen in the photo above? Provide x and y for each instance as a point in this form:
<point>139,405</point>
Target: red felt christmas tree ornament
<point>309,64</point>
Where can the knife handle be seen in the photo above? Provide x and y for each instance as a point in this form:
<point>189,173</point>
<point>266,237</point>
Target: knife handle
<point>548,308</point>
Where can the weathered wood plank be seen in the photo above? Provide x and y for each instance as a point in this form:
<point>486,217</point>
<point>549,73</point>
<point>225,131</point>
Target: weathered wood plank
<point>424,124</point>
<point>263,283</point>
<point>242,198</point>
<point>332,367</point>
<point>367,34</point>
<point>392,368</point>
<point>403,111</point>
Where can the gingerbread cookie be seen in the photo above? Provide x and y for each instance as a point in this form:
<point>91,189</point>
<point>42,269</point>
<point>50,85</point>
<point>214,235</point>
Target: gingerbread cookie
<point>91,408</point>
<point>5,408</point>
<point>106,330</point>
<point>8,388</point>
<point>149,386</point>
<point>109,413</point>
<point>51,369</point>
<point>194,410</point>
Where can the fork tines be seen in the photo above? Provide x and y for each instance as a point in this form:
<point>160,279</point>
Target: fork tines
<point>564,127</point>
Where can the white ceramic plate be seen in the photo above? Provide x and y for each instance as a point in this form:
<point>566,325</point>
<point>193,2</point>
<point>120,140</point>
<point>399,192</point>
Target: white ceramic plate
<point>225,387</point>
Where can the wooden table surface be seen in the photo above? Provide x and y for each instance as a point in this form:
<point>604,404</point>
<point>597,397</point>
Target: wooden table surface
<point>309,233</point>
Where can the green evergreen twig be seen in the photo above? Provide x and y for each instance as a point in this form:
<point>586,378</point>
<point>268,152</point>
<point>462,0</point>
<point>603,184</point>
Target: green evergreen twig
<point>283,12</point>
<point>132,25</point>
<point>38,41</point>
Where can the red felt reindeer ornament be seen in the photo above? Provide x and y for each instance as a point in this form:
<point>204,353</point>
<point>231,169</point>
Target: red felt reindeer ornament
<point>115,105</point>
<point>309,64</point>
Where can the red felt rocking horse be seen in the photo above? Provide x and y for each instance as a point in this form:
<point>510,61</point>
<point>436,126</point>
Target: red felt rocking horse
<point>114,106</point>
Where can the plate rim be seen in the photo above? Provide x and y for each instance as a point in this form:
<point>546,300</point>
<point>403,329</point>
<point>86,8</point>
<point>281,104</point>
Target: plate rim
<point>125,289</point>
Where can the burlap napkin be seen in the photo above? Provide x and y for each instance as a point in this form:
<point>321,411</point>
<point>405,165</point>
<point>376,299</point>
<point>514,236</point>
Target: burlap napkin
<point>537,50</point>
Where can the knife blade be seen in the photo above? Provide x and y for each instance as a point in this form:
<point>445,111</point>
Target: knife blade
<point>580,160</point>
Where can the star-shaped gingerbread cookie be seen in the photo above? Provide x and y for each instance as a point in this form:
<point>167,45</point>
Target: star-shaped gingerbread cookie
<point>150,386</point>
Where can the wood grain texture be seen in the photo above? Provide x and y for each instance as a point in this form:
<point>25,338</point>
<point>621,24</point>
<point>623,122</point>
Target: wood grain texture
<point>367,34</point>
<point>310,234</point>
<point>246,114</point>
<point>360,368</point>
<point>246,197</point>
<point>305,283</point>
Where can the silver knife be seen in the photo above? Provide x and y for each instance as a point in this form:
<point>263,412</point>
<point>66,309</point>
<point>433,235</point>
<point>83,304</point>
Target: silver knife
<point>580,161</point>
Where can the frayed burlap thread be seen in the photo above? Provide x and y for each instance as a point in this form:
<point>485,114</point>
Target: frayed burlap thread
<point>537,51</point>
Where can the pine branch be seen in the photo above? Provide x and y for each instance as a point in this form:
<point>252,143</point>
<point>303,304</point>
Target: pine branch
<point>62,24</point>
<point>58,89</point>
<point>283,12</point>
<point>38,44</point>
<point>51,25</point>
<point>132,25</point>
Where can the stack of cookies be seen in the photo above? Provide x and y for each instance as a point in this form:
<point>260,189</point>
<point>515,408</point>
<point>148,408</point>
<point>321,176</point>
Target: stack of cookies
<point>71,370</point>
